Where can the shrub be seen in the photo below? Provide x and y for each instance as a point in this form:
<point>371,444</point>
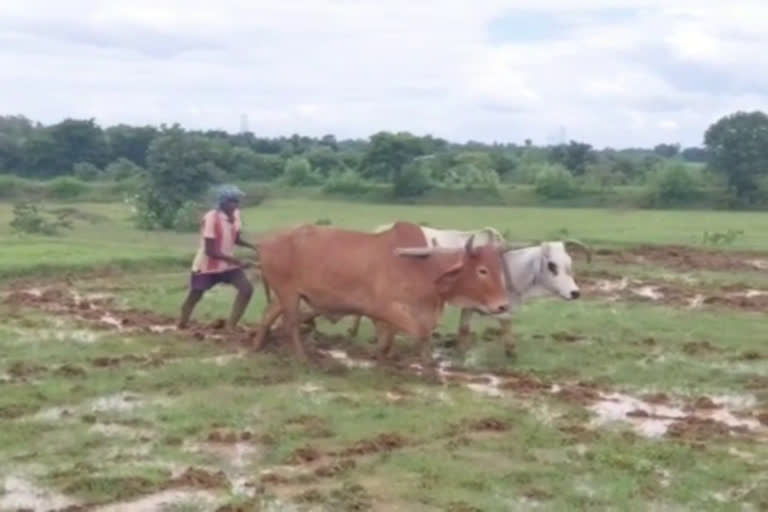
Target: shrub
<point>27,218</point>
<point>297,172</point>
<point>412,180</point>
<point>122,169</point>
<point>187,219</point>
<point>554,181</point>
<point>86,171</point>
<point>66,188</point>
<point>347,183</point>
<point>671,184</point>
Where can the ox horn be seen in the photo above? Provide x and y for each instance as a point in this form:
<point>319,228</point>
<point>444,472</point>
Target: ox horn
<point>423,251</point>
<point>581,246</point>
<point>470,243</point>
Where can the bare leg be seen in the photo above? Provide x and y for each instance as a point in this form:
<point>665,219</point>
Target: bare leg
<point>193,297</point>
<point>271,313</point>
<point>462,339</point>
<point>244,293</point>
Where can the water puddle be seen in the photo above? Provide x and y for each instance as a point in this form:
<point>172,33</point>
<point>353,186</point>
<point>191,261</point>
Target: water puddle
<point>119,402</point>
<point>17,494</point>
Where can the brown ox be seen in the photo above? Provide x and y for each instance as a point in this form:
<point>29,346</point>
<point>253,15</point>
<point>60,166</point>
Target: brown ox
<point>391,277</point>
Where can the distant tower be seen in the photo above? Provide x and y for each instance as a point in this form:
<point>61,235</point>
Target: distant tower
<point>244,123</point>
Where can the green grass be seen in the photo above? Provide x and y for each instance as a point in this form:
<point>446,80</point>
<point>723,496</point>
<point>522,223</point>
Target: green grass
<point>183,393</point>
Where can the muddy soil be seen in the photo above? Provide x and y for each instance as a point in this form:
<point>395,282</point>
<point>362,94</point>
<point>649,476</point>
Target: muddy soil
<point>685,258</point>
<point>617,288</point>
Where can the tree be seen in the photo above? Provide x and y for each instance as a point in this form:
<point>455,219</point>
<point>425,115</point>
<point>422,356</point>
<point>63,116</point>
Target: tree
<point>667,150</point>
<point>574,156</point>
<point>130,142</point>
<point>324,160</point>
<point>79,141</point>
<point>179,169</point>
<point>412,180</point>
<point>388,153</point>
<point>738,149</point>
<point>298,172</point>
<point>695,154</point>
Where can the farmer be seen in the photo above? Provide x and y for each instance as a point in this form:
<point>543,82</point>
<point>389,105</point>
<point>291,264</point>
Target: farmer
<point>214,262</point>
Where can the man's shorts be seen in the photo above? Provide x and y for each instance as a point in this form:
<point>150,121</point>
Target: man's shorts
<point>203,282</point>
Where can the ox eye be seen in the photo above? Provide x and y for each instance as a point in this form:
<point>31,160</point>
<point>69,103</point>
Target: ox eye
<point>552,268</point>
<point>482,271</point>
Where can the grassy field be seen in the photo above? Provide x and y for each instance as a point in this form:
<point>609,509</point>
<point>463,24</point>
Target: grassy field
<point>649,394</point>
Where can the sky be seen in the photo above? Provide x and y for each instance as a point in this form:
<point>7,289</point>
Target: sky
<point>611,73</point>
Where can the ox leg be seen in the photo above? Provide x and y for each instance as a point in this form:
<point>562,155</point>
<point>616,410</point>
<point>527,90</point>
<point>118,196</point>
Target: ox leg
<point>507,336</point>
<point>291,324</point>
<point>462,338</point>
<point>355,327</point>
<point>385,335</point>
<point>268,318</point>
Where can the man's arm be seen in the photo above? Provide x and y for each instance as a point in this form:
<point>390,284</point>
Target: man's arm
<point>239,241</point>
<point>212,252</point>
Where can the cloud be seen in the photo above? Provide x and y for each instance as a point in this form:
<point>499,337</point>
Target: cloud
<point>612,73</point>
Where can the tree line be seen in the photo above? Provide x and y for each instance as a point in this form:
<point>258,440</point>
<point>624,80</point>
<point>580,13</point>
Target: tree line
<point>174,162</point>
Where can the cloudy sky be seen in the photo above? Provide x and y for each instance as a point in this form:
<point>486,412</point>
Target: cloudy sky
<point>612,73</point>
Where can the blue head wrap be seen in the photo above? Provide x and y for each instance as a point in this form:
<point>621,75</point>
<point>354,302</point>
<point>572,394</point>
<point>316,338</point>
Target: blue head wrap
<point>228,193</point>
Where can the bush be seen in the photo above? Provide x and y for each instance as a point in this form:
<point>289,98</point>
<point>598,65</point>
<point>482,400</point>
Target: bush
<point>123,169</point>
<point>255,194</point>
<point>298,172</point>
<point>86,171</point>
<point>187,219</point>
<point>27,218</point>
<point>413,180</point>
<point>671,184</point>
<point>554,181</point>
<point>347,183</point>
<point>66,188</point>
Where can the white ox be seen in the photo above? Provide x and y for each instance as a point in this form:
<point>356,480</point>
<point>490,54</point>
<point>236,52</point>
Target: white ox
<point>538,270</point>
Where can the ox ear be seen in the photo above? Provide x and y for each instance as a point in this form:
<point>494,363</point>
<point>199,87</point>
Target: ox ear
<point>449,275</point>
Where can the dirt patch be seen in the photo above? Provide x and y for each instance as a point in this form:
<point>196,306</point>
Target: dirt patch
<point>309,425</point>
<point>579,433</point>
<point>704,402</point>
<point>579,393</point>
<point>200,479</point>
<point>337,468</point>
<point>70,370</point>
<point>693,427</point>
<point>524,383</point>
<point>461,506</point>
<point>696,348</point>
<point>656,398</point>
<point>488,424</point>
<point>566,337</point>
<point>381,443</point>
<point>750,355</point>
<point>685,258</point>
<point>304,455</point>
<point>25,369</point>
<point>229,436</point>
<point>535,493</point>
<point>14,411</point>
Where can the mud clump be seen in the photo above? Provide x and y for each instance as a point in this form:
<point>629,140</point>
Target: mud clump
<point>14,411</point>
<point>70,370</point>
<point>310,496</point>
<point>656,398</point>
<point>23,369</point>
<point>461,506</point>
<point>335,469</point>
<point>311,426</point>
<point>578,393</point>
<point>534,493</point>
<point>763,418</point>
<point>381,443</point>
<point>488,425</point>
<point>200,479</point>
<point>304,455</point>
<point>751,355</point>
<point>228,436</point>
<point>704,402</point>
<point>695,348</point>
<point>524,383</point>
<point>251,505</point>
<point>566,337</point>
<point>349,498</point>
<point>693,427</point>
